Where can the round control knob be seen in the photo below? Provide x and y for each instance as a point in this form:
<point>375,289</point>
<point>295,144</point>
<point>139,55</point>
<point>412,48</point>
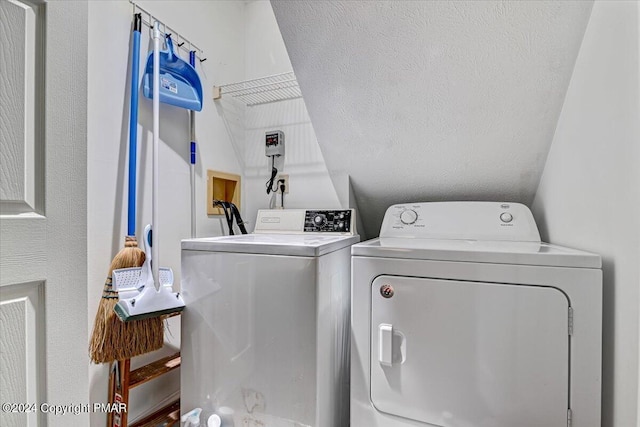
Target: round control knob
<point>409,216</point>
<point>506,217</point>
<point>320,220</point>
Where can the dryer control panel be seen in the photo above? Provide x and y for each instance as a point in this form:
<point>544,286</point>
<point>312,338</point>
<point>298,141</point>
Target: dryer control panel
<point>461,221</point>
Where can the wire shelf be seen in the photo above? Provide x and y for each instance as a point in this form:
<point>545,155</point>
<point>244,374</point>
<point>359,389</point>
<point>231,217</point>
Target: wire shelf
<point>279,87</point>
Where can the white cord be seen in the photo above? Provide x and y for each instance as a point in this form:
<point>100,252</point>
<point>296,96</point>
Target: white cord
<point>155,229</point>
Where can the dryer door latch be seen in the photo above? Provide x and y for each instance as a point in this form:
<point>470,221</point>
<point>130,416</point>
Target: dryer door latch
<point>570,321</point>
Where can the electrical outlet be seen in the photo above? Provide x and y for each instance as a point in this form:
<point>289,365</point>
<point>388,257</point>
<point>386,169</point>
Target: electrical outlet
<point>286,183</point>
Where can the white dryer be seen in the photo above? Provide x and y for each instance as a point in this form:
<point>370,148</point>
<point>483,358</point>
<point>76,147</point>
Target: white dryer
<point>461,317</point>
<point>265,331</point>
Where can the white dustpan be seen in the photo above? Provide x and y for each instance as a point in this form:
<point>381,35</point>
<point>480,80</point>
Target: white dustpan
<point>151,299</point>
<point>129,282</point>
<point>139,297</point>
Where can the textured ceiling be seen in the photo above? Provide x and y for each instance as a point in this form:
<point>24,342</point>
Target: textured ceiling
<point>423,101</point>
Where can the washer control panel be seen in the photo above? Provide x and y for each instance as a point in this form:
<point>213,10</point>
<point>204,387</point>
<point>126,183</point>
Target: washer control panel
<point>340,222</point>
<point>328,221</point>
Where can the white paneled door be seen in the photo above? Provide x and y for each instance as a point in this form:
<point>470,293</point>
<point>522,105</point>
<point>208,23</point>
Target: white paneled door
<point>23,223</point>
<point>41,199</point>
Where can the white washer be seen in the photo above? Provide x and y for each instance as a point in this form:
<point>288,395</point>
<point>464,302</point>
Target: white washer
<point>461,317</point>
<point>265,331</point>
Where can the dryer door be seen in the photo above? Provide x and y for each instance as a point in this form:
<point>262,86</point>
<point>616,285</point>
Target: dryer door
<point>469,354</point>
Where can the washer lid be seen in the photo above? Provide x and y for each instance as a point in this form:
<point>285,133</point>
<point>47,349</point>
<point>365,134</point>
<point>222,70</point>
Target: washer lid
<point>272,244</point>
<point>493,252</point>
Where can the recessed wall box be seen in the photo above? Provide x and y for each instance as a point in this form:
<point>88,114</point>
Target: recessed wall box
<point>222,186</point>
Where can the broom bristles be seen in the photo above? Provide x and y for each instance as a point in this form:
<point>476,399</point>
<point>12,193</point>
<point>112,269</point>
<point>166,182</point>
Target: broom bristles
<point>113,339</point>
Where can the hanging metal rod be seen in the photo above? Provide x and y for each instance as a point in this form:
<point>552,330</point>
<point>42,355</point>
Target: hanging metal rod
<point>180,41</point>
<point>278,87</point>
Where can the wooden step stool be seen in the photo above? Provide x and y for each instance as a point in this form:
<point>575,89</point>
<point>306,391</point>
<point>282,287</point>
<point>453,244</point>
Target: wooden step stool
<point>122,379</point>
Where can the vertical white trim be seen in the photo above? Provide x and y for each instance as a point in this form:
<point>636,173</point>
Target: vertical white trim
<point>66,311</point>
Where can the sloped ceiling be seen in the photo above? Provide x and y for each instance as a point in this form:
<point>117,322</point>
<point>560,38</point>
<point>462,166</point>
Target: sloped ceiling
<point>426,101</point>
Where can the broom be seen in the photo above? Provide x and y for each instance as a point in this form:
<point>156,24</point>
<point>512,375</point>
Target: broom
<point>112,339</point>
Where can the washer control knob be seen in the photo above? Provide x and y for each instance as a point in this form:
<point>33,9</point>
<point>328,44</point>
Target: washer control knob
<point>506,217</point>
<point>319,220</point>
<point>408,216</point>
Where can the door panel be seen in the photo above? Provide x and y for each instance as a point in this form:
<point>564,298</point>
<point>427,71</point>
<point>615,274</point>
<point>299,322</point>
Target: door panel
<point>21,175</point>
<point>22,361</point>
<point>469,354</point>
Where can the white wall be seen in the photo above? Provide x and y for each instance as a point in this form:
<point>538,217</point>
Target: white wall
<point>589,193</point>
<point>433,100</point>
<point>638,396</point>
<point>216,27</point>
<point>241,41</point>
<point>309,181</point>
